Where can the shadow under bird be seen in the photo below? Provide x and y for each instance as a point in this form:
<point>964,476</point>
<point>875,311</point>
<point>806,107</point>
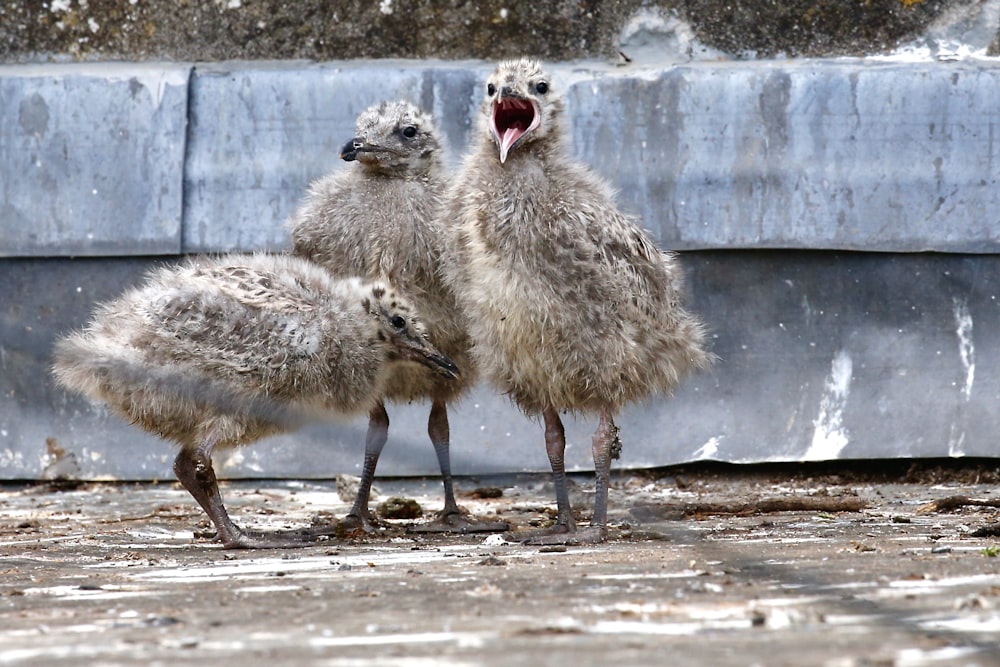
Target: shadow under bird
<point>378,219</point>
<point>570,304</point>
<point>220,352</point>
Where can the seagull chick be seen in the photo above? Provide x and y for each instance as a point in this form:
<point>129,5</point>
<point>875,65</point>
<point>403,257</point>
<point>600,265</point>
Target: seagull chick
<point>569,303</point>
<point>379,220</point>
<point>220,352</point>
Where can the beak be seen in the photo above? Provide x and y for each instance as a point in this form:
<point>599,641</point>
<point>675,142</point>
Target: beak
<point>511,118</point>
<point>349,151</point>
<point>422,352</point>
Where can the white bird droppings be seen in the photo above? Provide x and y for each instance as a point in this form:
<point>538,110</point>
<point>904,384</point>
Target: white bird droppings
<point>967,354</point>
<point>830,437</point>
<point>708,450</point>
<point>966,348</point>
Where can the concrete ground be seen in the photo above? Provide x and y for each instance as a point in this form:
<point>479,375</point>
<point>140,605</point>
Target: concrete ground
<point>706,566</point>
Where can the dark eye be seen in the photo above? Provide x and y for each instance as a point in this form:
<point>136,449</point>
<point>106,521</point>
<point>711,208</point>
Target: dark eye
<point>398,322</point>
<point>409,131</point>
<point>541,87</point>
<point>491,90</point>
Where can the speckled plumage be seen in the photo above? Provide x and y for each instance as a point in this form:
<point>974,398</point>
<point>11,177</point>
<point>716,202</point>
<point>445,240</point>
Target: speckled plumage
<point>379,219</point>
<point>219,352</point>
<point>570,304</point>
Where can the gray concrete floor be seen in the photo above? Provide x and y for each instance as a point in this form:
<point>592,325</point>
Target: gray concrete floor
<point>702,569</point>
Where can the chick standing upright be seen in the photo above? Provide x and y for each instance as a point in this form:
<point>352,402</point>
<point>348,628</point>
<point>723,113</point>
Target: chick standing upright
<point>570,304</point>
<point>220,352</point>
<point>380,221</point>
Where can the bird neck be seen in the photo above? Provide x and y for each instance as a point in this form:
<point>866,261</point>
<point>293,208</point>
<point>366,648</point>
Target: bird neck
<point>425,170</point>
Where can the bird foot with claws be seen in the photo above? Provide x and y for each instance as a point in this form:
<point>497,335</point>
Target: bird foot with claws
<point>362,522</point>
<point>281,539</point>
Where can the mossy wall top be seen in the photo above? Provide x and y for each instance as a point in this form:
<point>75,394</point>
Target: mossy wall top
<point>189,30</point>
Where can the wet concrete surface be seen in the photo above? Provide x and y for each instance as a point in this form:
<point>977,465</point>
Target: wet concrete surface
<point>703,568</point>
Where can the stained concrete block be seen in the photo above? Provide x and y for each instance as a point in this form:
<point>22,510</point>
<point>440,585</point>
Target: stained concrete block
<point>823,353</point>
<point>822,356</point>
<point>91,159</point>
<point>260,134</point>
<point>845,154</point>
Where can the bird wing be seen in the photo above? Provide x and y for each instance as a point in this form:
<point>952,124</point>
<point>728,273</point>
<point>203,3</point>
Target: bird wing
<point>642,274</point>
<point>259,289</point>
<point>234,318</point>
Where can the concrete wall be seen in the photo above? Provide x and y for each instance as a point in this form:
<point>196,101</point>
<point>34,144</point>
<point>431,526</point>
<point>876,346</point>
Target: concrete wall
<point>799,191</point>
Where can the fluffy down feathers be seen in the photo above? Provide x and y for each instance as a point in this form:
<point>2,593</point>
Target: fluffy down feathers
<point>379,220</point>
<point>569,302</point>
<point>239,346</point>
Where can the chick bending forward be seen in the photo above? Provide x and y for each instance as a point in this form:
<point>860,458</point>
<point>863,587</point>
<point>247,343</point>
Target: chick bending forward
<point>221,352</point>
<point>379,220</point>
<point>570,304</point>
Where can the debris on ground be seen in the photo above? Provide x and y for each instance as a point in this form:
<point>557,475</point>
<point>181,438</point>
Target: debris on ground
<point>122,574</point>
<point>954,502</point>
<point>400,508</point>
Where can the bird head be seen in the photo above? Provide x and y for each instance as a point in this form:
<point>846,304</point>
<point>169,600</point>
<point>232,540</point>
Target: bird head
<point>393,137</point>
<point>404,332</point>
<point>521,106</point>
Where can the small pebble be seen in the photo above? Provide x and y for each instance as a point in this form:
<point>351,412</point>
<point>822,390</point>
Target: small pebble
<point>161,621</point>
<point>487,492</point>
<point>492,560</point>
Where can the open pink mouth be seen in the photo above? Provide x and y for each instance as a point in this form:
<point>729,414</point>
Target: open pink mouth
<point>512,119</point>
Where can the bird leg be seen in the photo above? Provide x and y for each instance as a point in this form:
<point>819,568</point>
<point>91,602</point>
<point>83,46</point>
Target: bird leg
<point>555,447</point>
<point>564,530</point>
<point>606,445</point>
<point>451,519</point>
<point>378,433</point>
<point>193,468</point>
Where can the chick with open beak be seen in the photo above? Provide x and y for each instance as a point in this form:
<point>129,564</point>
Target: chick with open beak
<point>514,113</point>
<point>569,303</point>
